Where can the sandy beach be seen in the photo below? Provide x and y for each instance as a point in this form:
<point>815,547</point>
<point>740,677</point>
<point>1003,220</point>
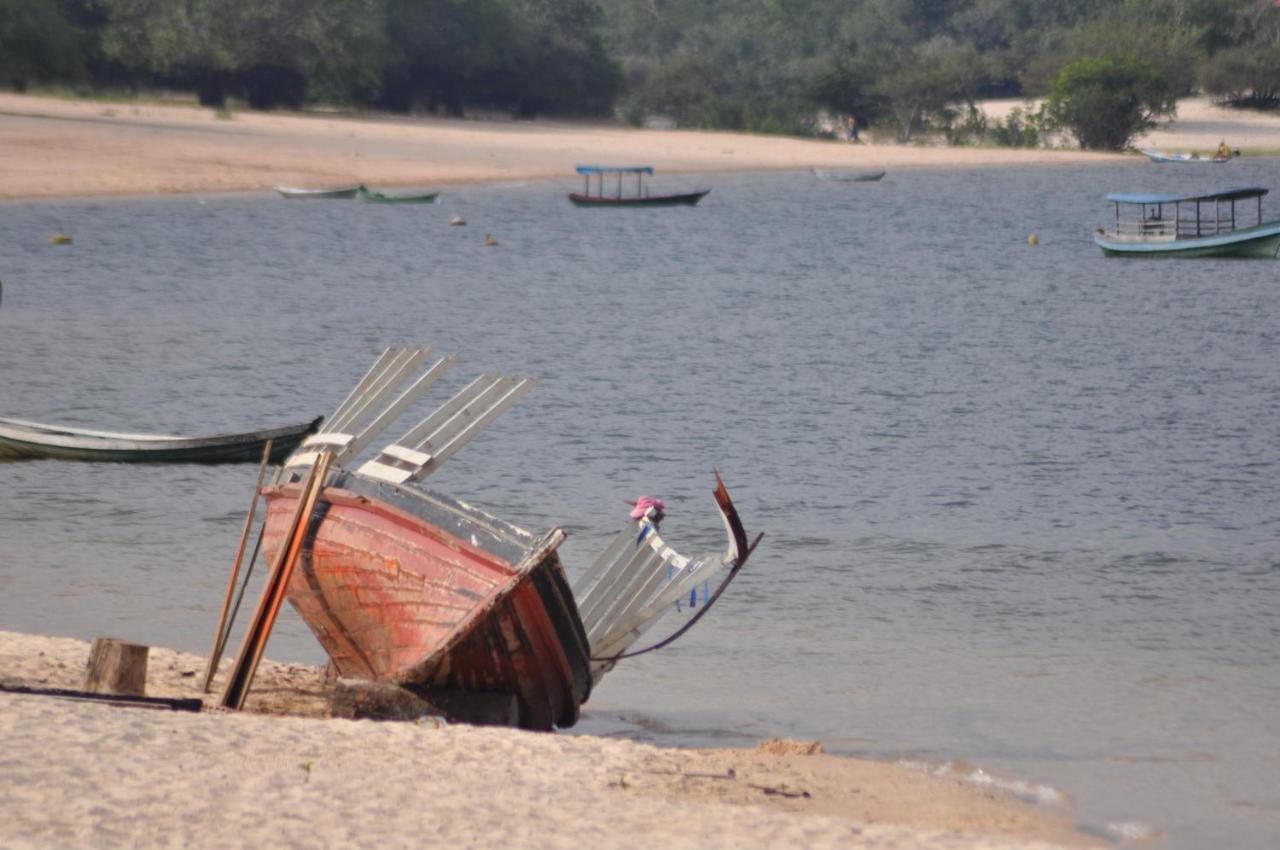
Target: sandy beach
<point>78,774</point>
<point>62,148</point>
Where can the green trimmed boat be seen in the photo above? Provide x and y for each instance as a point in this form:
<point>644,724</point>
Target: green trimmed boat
<point>1186,226</point>
<point>374,197</point>
<point>23,440</point>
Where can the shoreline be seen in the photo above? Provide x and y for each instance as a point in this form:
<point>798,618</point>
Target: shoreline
<point>109,776</point>
<point>55,148</point>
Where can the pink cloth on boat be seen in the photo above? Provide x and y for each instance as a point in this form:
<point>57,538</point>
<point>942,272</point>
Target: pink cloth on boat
<point>643,504</point>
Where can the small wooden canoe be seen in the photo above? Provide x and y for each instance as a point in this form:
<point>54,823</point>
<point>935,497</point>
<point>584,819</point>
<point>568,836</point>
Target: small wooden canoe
<point>293,193</point>
<point>23,440</point>
<point>848,176</point>
<point>375,197</point>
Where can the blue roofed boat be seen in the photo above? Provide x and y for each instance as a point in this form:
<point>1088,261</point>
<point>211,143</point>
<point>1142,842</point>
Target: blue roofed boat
<point>617,198</point>
<point>1217,224</point>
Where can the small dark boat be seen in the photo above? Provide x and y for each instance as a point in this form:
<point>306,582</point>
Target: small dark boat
<point>375,197</point>
<point>406,586</point>
<point>22,440</point>
<point>848,176</point>
<point>641,198</point>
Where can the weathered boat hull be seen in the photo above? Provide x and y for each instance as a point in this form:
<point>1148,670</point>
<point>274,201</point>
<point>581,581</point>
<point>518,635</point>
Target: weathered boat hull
<point>1260,242</point>
<point>22,440</point>
<point>1177,158</point>
<point>415,589</point>
<point>687,199</point>
<point>848,176</point>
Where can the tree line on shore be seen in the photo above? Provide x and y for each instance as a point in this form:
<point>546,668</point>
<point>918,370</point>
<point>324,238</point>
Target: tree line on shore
<point>1105,69</point>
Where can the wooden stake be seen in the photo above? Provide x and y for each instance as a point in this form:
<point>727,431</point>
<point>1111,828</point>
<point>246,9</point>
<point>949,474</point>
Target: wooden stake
<point>224,628</point>
<point>259,629</point>
<point>117,667</point>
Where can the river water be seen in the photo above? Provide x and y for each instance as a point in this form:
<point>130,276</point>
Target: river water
<point>1020,502</point>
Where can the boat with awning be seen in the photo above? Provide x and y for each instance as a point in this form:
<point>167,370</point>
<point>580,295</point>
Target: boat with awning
<point>620,197</point>
<point>1226,223</point>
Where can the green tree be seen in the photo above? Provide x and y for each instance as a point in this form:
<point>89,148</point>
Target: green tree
<point>37,44</point>
<point>223,43</point>
<point>1106,101</point>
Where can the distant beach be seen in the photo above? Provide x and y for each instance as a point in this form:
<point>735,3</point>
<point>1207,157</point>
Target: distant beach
<point>51,147</point>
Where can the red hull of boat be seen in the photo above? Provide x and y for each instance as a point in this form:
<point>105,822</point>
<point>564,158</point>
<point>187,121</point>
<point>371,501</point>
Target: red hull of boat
<point>394,598</point>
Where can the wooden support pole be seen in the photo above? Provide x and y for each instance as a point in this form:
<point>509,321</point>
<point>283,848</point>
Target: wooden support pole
<point>259,628</point>
<point>224,628</point>
<point>116,667</point>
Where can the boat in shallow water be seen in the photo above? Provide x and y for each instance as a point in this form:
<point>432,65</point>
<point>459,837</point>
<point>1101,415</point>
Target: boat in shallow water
<point>848,176</point>
<point>408,586</point>
<point>641,198</point>
<point>1162,157</point>
<point>1228,223</point>
<point>373,196</point>
<point>294,193</point>
<point>23,440</point>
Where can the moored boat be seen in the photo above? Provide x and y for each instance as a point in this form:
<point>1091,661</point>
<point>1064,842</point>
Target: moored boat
<point>1216,224</point>
<point>641,198</point>
<point>848,176</point>
<point>294,193</point>
<point>23,440</point>
<point>408,586</point>
<point>373,196</point>
<point>1163,157</point>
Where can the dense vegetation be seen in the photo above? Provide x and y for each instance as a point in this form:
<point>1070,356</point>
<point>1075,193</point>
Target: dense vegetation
<point>906,66</point>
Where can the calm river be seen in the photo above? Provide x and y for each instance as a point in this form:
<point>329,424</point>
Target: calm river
<point>1020,502</point>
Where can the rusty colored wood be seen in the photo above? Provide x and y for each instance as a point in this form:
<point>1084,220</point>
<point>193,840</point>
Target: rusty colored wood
<point>259,629</point>
<point>224,628</point>
<point>116,667</point>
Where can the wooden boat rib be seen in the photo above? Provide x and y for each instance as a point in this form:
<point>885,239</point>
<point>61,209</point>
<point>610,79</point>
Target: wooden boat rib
<point>294,193</point>
<point>373,196</point>
<point>405,585</point>
<point>1190,226</point>
<point>20,439</point>
<point>641,198</point>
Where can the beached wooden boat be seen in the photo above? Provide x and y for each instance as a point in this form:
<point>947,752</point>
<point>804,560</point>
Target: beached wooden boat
<point>331,193</point>
<point>374,197</point>
<point>1163,157</point>
<point>20,439</point>
<point>848,176</point>
<point>641,198</point>
<point>1211,225</point>
<point>408,586</point>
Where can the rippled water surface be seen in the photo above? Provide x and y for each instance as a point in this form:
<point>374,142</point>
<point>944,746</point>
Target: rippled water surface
<point>1020,502</point>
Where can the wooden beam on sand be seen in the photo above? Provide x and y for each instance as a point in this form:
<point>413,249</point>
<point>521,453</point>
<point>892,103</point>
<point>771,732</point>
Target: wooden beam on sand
<point>264,618</point>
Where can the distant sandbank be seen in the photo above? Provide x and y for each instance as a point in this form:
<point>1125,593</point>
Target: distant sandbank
<point>79,775</point>
<point>51,147</point>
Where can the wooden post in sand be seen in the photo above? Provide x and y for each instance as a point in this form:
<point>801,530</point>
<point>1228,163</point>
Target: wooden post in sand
<point>264,618</point>
<point>224,628</point>
<point>117,667</point>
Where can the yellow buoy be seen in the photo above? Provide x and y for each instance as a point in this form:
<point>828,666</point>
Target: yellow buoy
<point>59,239</point>
<point>489,240</point>
<point>1033,240</point>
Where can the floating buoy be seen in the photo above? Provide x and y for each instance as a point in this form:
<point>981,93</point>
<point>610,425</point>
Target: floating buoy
<point>489,241</point>
<point>59,239</point>
<point>457,221</point>
<point>1033,240</point>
